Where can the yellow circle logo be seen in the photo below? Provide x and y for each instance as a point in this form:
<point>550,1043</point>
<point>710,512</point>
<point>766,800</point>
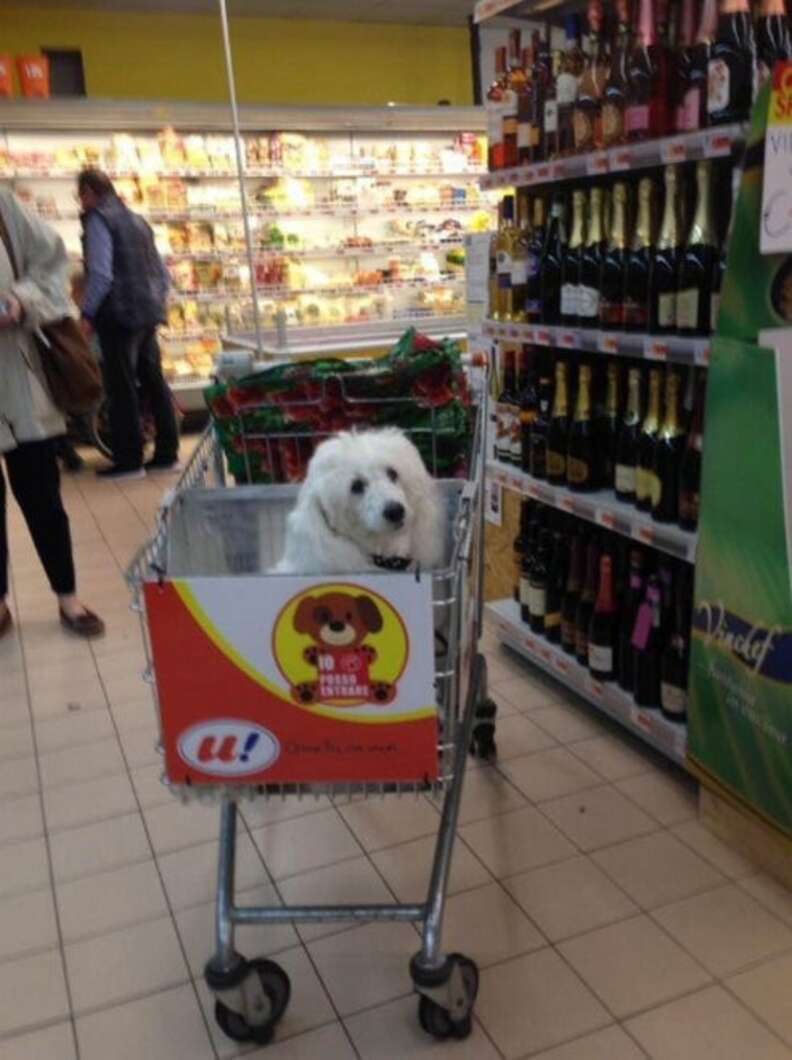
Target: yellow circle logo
<point>340,646</point>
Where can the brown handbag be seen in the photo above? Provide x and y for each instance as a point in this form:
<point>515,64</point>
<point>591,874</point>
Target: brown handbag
<point>73,376</point>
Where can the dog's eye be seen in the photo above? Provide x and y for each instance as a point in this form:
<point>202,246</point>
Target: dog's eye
<point>358,486</point>
<point>391,473</point>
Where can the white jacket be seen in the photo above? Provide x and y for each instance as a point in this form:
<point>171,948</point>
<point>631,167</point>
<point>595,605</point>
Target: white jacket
<point>27,413</point>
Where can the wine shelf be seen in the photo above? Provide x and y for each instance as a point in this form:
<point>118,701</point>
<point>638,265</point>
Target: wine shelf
<point>601,508</point>
<point>624,344</point>
<point>650,725</point>
<point>705,143</point>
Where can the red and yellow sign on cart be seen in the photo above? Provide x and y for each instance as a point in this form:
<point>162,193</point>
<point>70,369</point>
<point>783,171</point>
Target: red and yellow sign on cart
<point>285,679</point>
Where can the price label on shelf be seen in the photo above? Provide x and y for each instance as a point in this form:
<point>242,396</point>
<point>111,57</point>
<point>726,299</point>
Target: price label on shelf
<point>532,490</point>
<point>643,533</point>
<point>673,151</point>
<point>620,158</point>
<point>594,688</point>
<point>526,176</point>
<point>560,663</point>
<point>513,333</point>
<point>641,719</point>
<point>570,340</point>
<point>606,518</point>
<point>597,163</point>
<point>655,349</point>
<point>717,144</point>
<point>544,337</point>
<point>558,170</point>
<point>566,504</point>
<point>701,354</point>
<point>515,482</point>
<point>542,173</point>
<point>607,342</point>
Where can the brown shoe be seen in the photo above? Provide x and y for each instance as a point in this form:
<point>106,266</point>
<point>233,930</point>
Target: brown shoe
<point>6,622</point>
<point>85,625</point>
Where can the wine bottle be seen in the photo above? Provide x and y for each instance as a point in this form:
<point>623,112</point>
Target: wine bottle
<point>674,662</point>
<point>591,261</point>
<point>536,241</point>
<point>690,464</point>
<point>646,444</point>
<point>495,112</point>
<point>639,261</point>
<point>646,115</point>
<point>580,469</point>
<point>570,269</point>
<point>559,428</point>
<point>506,238</point>
<point>522,368</point>
<point>552,261</point>
<point>587,115</point>
<point>537,591</point>
<point>665,261</point>
<point>614,100</point>
<point>552,146</point>
<point>693,309</point>
<point>505,406</point>
<point>686,110</point>
<point>602,631</point>
<point>633,598</point>
<point>607,431</point>
<point>614,263</point>
<point>773,38</point>
<point>567,84</point>
<point>668,450</point>
<point>556,579</point>
<point>541,425</point>
<point>719,265</point>
<point>529,408</point>
<point>646,642</point>
<point>520,261</point>
<point>572,592</point>
<point>493,290</point>
<point>541,83</point>
<point>628,441</point>
<point>696,113</point>
<point>525,103</point>
<point>519,544</point>
<point>731,67</point>
<point>585,607</point>
<point>515,83</point>
<point>530,549</point>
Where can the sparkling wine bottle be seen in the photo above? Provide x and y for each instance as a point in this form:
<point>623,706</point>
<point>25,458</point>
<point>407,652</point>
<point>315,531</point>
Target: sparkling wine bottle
<point>536,242</point>
<point>617,86</point>
<point>665,261</point>
<point>580,462</point>
<point>639,261</point>
<point>690,465</point>
<point>646,642</point>
<point>573,253</point>
<point>731,71</point>
<point>614,263</point>
<point>773,38</point>
<point>686,111</point>
<point>602,630</point>
<point>674,663</point>
<point>694,285</point>
<point>646,444</point>
<point>627,444</point>
<point>646,115</point>
<point>567,84</point>
<point>588,597</point>
<point>495,112</point>
<point>558,428</point>
<point>696,114</point>
<point>591,260</point>
<point>541,425</point>
<point>572,591</point>
<point>587,118</point>
<point>667,456</point>
<point>633,598</point>
<point>552,261</point>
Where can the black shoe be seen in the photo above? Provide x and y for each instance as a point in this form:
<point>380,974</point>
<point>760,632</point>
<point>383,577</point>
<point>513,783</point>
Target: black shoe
<point>72,461</point>
<point>163,463</point>
<point>115,473</point>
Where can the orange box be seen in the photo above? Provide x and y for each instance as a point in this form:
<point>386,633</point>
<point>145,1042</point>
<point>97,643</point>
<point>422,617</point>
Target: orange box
<point>6,76</point>
<point>34,76</point>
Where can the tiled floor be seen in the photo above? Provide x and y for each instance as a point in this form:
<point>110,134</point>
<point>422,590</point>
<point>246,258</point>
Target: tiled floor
<point>607,923</point>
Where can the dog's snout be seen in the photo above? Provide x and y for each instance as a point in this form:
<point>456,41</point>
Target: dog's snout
<point>336,626</point>
<point>394,512</point>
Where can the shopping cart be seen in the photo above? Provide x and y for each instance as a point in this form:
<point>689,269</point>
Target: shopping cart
<point>227,654</point>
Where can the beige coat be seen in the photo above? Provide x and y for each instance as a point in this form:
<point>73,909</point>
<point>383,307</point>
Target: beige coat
<point>27,413</point>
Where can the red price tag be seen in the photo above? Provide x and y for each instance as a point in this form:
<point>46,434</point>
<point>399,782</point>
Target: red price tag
<point>570,340</point>
<point>530,644</point>
<point>644,533</point>
<point>526,176</point>
<point>558,170</point>
<point>607,343</point>
<point>533,491</point>
<point>544,337</point>
<point>703,353</point>
<point>513,333</point>
<point>673,151</point>
<point>717,144</point>
<point>640,719</point>
<point>655,350</point>
<point>560,663</point>
<point>542,172</point>
<point>597,164</point>
<point>620,159</point>
<point>606,519</point>
<point>596,689</point>
<point>566,503</point>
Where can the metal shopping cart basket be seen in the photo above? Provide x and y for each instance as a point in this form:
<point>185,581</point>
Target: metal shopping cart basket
<point>229,648</point>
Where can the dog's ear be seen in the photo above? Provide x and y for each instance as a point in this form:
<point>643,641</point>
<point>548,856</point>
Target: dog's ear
<point>304,615</point>
<point>369,614</point>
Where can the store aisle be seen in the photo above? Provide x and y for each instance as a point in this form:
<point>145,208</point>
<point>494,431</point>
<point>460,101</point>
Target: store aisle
<point>607,923</point>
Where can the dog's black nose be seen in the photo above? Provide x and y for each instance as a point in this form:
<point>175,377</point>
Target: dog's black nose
<point>336,626</point>
<point>394,512</point>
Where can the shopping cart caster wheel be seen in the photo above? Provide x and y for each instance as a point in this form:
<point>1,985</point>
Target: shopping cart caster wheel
<point>461,986</point>
<point>482,743</point>
<point>276,989</point>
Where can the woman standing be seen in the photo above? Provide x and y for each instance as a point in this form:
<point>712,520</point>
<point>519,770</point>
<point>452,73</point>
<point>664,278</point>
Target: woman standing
<point>33,272</point>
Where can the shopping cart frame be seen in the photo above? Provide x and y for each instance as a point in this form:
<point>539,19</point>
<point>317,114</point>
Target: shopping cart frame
<point>252,995</point>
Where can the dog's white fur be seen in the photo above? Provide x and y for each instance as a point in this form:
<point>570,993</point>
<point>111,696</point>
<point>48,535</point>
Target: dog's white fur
<point>336,527</point>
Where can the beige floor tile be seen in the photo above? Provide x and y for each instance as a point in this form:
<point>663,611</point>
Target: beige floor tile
<point>122,965</point>
<point>633,965</point>
<point>140,747</point>
<point>772,895</point>
<point>16,741</point>
<point>385,822</point>
<point>392,1032</point>
<point>527,693</point>
<point>74,765</point>
<point>176,825</point>
<point>190,875</point>
<point>549,774</point>
<point>488,925</point>
<point>261,812</point>
<point>725,929</point>
<point>150,787</point>
<point>98,847</point>
<point>766,990</point>
<point>367,965</point>
<point>348,883</point>
<point>598,817</point>
<point>74,729</point>
<point>27,923</point>
<point>51,1043</point>
<point>14,711</point>
<point>726,859</point>
<point>518,735</point>
<point>110,900</point>
<point>570,897</point>
<point>670,798</point>
<point>60,700</point>
<point>18,777</point>
<point>709,1024</point>
<point>326,1043</point>
<point>305,843</point>
<point>167,1026</point>
<point>407,868</point>
<point>517,841</point>
<point>32,992</point>
<point>614,757</point>
<point>611,1043</point>
<point>25,867</point>
<point>196,928</point>
<point>657,869</point>
<point>569,722</point>
<point>91,800</point>
<point>485,794</point>
<point>21,818</point>
<point>135,714</point>
<point>534,1002</point>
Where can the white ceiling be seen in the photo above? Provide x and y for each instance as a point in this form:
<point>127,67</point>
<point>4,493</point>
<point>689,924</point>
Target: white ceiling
<point>426,12</point>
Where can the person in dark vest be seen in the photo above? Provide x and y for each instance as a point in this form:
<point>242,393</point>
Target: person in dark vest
<point>125,301</point>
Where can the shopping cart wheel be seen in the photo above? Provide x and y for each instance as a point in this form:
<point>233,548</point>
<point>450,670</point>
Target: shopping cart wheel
<point>482,740</point>
<point>276,987</point>
<point>460,987</point>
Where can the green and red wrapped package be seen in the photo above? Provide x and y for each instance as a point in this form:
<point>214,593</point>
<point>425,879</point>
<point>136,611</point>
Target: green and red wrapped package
<point>269,422</point>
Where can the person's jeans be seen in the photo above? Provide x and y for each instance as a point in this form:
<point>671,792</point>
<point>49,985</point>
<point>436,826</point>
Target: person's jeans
<point>35,482</point>
<point>131,360</point>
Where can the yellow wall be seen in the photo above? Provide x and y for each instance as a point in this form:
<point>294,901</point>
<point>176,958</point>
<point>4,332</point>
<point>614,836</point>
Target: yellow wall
<point>139,56</point>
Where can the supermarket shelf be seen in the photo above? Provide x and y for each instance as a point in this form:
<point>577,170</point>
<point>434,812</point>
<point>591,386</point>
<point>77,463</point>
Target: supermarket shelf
<point>649,725</point>
<point>273,291</point>
<point>625,344</point>
<point>34,173</point>
<point>601,508</point>
<point>364,334</point>
<point>706,143</point>
<point>375,250</point>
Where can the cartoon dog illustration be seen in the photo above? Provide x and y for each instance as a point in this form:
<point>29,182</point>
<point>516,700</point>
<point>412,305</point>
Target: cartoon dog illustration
<point>338,623</point>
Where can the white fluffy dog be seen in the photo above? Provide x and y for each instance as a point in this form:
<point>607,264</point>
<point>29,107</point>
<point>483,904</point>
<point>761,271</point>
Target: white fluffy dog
<point>367,503</point>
